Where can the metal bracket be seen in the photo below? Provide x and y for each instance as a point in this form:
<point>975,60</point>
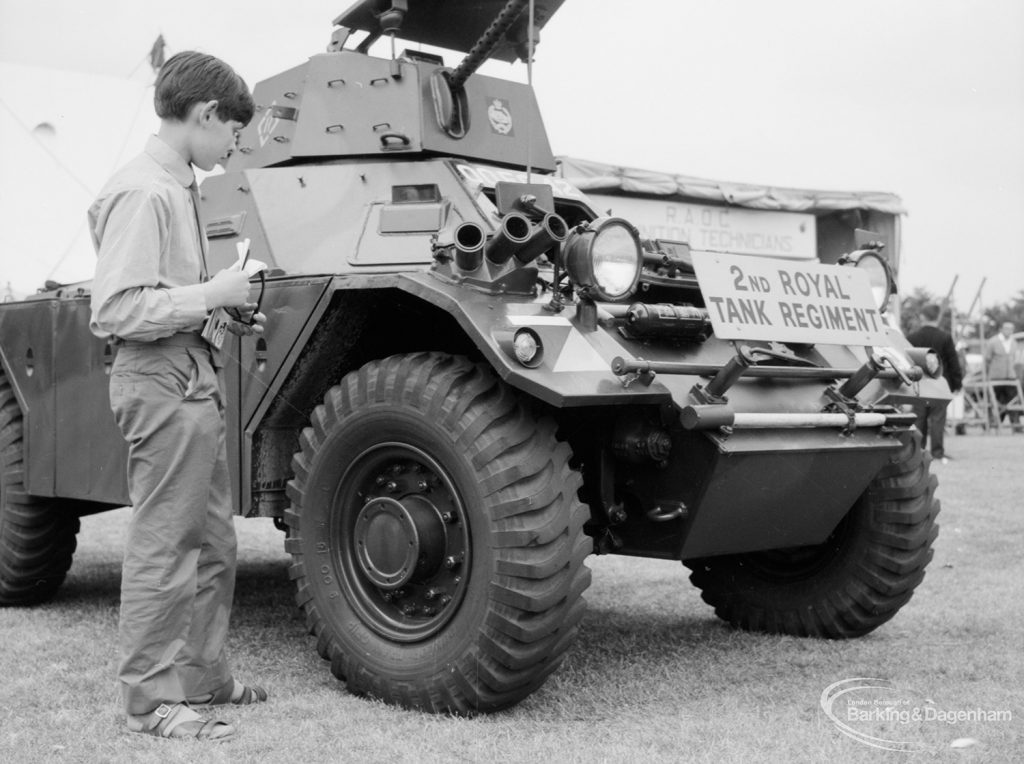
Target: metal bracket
<point>780,353</point>
<point>630,372</point>
<point>843,405</point>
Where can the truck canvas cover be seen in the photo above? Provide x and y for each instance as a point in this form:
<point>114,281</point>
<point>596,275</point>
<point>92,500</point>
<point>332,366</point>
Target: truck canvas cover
<point>746,218</point>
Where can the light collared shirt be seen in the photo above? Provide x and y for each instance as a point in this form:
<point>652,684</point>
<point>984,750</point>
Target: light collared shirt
<point>150,249</point>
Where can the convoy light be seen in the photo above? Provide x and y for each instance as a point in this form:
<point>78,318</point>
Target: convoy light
<point>528,348</point>
<point>604,259</point>
<point>927,359</point>
<point>880,276</point>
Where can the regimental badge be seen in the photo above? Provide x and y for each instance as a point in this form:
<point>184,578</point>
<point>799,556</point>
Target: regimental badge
<point>267,125</point>
<point>499,116</point>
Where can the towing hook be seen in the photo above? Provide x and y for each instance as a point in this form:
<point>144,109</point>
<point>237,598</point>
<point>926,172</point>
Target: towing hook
<point>873,367</point>
<point>666,511</point>
<point>901,373</point>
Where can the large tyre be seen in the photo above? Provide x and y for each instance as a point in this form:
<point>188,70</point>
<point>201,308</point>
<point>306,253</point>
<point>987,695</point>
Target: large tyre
<point>436,536</point>
<point>849,585</point>
<point>37,540</point>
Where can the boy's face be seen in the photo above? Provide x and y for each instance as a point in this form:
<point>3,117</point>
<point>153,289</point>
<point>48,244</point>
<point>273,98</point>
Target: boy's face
<point>215,139</point>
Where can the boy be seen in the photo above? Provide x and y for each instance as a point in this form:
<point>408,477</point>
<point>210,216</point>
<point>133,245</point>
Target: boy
<point>151,294</point>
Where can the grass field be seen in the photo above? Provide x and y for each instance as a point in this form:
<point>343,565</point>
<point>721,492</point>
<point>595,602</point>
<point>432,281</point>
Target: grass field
<point>654,675</point>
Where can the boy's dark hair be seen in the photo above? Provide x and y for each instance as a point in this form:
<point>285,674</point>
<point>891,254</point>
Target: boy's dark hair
<point>188,78</point>
<point>930,312</point>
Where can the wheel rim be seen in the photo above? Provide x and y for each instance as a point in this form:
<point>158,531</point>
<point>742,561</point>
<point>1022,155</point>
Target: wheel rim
<point>402,541</point>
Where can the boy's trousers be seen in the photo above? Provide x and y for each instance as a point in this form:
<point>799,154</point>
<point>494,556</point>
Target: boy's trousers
<point>179,565</point>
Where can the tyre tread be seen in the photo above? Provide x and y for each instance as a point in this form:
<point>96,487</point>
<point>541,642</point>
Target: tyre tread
<point>865,588</point>
<point>536,601</point>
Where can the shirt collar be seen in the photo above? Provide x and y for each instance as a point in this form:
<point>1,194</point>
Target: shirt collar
<point>171,161</point>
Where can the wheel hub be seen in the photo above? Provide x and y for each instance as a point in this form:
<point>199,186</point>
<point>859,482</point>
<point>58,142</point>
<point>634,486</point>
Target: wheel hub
<point>404,541</point>
<point>399,541</point>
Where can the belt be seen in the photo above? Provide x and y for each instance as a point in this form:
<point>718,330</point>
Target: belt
<point>179,340</point>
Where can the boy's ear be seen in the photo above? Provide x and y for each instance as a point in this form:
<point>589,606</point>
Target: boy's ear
<point>207,111</point>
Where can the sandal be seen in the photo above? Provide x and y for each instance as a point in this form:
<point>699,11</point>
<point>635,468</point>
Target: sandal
<point>225,696</point>
<point>180,722</point>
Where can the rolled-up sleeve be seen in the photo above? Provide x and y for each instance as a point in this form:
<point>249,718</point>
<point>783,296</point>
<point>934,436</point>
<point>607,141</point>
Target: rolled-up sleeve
<point>130,229</point>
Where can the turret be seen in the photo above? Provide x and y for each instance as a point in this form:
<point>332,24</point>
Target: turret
<point>346,103</point>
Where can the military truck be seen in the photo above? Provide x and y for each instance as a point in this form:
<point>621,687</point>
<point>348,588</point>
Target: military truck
<point>471,380</point>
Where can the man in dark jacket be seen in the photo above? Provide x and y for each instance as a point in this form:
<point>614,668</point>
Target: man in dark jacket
<point>929,335</point>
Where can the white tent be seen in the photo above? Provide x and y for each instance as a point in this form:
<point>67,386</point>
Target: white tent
<point>61,136</point>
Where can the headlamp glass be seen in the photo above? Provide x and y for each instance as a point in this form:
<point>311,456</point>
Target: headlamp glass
<point>615,260</point>
<point>604,259</point>
<point>879,277</point>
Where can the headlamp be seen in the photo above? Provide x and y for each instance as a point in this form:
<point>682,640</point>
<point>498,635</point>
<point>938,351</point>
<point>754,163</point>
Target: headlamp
<point>880,276</point>
<point>604,259</point>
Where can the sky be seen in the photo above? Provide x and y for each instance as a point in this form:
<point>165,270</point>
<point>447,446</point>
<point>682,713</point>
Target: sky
<point>921,98</point>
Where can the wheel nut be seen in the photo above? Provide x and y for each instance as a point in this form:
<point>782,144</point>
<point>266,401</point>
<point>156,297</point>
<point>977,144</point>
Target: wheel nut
<point>432,594</point>
<point>448,517</point>
<point>381,480</point>
<point>452,561</point>
<point>408,609</point>
<point>392,486</point>
<point>445,599</point>
<point>427,610</point>
<point>422,485</point>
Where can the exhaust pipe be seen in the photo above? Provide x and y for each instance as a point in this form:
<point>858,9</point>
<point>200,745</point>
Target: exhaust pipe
<point>515,230</point>
<point>469,246</point>
<point>551,230</point>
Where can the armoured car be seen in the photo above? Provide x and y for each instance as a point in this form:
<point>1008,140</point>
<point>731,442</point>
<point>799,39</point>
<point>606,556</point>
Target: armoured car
<point>472,379</point>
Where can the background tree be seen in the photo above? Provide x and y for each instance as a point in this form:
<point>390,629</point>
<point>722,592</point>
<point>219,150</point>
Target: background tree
<point>910,310</point>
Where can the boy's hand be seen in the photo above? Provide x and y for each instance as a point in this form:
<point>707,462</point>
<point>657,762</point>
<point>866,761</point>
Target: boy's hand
<point>227,289</point>
<point>246,322</point>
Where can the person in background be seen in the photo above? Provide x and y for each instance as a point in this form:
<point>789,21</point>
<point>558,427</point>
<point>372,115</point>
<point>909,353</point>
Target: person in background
<point>929,335</point>
<point>1001,363</point>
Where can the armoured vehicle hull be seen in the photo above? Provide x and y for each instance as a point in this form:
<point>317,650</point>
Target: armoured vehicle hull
<point>471,381</point>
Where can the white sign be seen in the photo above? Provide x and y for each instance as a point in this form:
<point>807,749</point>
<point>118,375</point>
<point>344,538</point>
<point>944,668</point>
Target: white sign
<point>705,227</point>
<point>755,298</point>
